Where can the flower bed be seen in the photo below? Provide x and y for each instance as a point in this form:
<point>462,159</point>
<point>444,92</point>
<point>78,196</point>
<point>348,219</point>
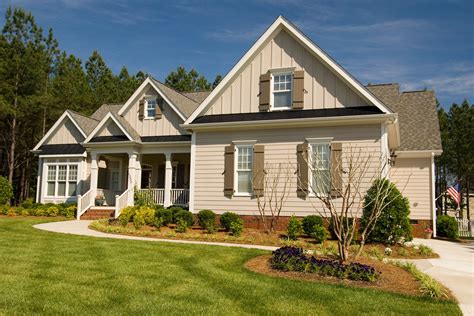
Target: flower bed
<point>37,209</point>
<point>295,259</point>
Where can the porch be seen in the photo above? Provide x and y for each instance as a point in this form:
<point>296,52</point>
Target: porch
<point>118,179</point>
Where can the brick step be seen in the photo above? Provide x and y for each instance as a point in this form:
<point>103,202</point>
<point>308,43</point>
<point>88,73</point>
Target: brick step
<point>99,213</point>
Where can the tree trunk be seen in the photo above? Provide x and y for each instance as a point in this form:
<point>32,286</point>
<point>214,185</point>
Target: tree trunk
<point>11,154</point>
<point>467,202</point>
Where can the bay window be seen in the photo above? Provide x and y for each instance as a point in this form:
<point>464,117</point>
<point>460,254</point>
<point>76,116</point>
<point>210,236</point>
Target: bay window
<point>62,180</point>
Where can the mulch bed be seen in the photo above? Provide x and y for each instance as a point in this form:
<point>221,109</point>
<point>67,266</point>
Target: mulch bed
<point>393,278</point>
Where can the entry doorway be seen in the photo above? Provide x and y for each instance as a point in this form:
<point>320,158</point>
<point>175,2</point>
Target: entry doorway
<point>146,176</point>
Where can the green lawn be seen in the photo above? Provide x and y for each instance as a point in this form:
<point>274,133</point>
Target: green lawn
<point>51,273</point>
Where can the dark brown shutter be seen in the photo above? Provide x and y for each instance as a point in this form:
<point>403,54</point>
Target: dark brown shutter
<point>158,112</point>
<point>336,169</point>
<point>229,170</point>
<point>141,109</point>
<point>302,170</point>
<point>258,169</point>
<point>264,95</point>
<point>298,89</point>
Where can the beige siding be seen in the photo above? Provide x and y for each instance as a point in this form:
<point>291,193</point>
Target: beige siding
<point>110,129</point>
<point>167,125</point>
<point>67,133</point>
<point>324,89</point>
<point>280,147</point>
<point>413,177</point>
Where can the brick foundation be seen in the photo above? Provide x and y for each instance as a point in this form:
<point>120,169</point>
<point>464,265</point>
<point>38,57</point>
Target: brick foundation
<point>254,222</point>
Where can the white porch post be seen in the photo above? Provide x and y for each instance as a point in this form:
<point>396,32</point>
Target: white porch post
<point>94,174</point>
<point>132,161</point>
<point>39,188</point>
<point>168,176</point>
<point>138,172</point>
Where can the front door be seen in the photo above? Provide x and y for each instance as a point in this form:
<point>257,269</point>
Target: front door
<point>146,178</point>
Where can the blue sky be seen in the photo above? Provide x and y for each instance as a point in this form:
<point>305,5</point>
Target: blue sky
<point>418,43</point>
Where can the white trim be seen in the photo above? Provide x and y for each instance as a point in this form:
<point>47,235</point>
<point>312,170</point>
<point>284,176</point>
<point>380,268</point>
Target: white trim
<point>417,153</point>
<point>102,123</point>
<point>319,140</point>
<point>244,142</point>
<point>38,180</point>
<point>56,126</point>
<point>272,91</point>
<point>148,98</point>
<point>66,181</point>
<point>433,194</point>
<point>384,151</point>
<point>139,90</point>
<point>65,155</point>
<point>192,171</point>
<point>241,144</point>
<point>279,24</point>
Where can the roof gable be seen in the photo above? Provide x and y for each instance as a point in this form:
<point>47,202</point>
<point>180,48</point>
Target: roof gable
<point>113,125</point>
<point>281,24</point>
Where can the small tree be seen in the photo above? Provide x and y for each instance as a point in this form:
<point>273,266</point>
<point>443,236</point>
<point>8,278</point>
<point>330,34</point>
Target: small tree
<point>338,193</point>
<point>275,180</point>
<point>6,191</point>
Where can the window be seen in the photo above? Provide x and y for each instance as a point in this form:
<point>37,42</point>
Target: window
<point>150,108</point>
<point>320,159</point>
<point>282,85</point>
<point>244,168</point>
<point>62,180</point>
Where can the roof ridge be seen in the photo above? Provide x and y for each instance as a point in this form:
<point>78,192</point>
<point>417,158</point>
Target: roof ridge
<point>173,89</point>
<point>418,91</point>
<point>84,116</point>
<point>382,84</point>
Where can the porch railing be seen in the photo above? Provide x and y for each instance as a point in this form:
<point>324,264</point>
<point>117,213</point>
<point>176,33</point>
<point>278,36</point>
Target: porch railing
<point>84,202</point>
<point>157,196</point>
<point>179,196</point>
<point>123,200</point>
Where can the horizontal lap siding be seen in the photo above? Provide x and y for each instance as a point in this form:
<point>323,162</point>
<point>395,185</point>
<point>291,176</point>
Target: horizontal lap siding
<point>413,177</point>
<point>280,147</point>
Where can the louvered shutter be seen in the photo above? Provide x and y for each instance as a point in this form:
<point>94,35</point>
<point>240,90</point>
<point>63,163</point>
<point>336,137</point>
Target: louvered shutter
<point>336,169</point>
<point>229,170</point>
<point>141,109</point>
<point>264,95</point>
<point>258,169</point>
<point>158,112</point>
<point>298,89</point>
<point>302,170</point>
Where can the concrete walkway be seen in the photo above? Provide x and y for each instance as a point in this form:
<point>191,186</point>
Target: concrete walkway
<point>82,228</point>
<point>454,268</point>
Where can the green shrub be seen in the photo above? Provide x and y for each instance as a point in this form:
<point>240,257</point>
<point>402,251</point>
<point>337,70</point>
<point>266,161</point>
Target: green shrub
<point>294,228</point>
<point>319,233</point>
<point>147,213</point>
<point>174,210</point>
<point>6,191</point>
<point>393,225</point>
<point>165,215</point>
<point>184,215</point>
<point>138,220</point>
<point>236,227</point>
<point>207,220</point>
<point>27,204</point>
<point>309,222</point>
<point>52,211</point>
<point>446,226</point>
<point>3,209</point>
<point>227,219</point>
<point>127,214</point>
<point>24,212</point>
<point>181,225</point>
<point>69,211</point>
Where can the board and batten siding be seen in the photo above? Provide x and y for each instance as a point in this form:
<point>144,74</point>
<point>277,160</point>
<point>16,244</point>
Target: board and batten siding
<point>324,89</point>
<point>413,178</point>
<point>168,124</point>
<point>110,129</point>
<point>67,133</point>
<point>280,147</point>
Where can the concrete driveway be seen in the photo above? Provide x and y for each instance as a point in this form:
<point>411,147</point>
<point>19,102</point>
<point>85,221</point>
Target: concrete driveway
<point>454,269</point>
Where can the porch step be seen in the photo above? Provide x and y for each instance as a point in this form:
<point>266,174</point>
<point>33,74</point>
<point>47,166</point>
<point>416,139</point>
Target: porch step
<point>99,212</point>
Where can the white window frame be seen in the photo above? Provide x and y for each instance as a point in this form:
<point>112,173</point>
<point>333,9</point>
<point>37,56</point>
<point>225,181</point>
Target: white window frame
<point>56,164</point>
<point>315,142</point>
<point>272,90</point>
<point>242,144</point>
<point>147,99</point>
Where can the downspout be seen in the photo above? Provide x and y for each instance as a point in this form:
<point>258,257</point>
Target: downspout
<point>433,198</point>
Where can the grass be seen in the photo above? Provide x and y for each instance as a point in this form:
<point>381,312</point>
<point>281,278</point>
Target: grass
<point>50,273</point>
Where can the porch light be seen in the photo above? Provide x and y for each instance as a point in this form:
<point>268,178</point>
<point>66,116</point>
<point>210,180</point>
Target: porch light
<point>102,164</point>
<point>392,158</point>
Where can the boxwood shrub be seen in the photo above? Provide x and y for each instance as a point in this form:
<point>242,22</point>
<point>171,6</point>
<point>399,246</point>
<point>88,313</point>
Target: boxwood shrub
<point>165,216</point>
<point>184,215</point>
<point>227,219</point>
<point>207,220</point>
<point>309,222</point>
<point>393,225</point>
<point>446,226</point>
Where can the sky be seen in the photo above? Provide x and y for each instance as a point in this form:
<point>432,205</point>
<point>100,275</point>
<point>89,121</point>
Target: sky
<point>417,43</point>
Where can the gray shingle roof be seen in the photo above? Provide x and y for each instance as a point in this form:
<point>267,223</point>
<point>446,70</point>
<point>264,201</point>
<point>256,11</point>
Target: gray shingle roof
<point>126,125</point>
<point>87,124</point>
<point>184,103</point>
<point>419,126</point>
<point>101,112</point>
<point>197,96</point>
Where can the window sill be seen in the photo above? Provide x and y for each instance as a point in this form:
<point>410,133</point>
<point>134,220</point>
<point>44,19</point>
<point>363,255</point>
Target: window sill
<point>243,194</point>
<point>149,118</point>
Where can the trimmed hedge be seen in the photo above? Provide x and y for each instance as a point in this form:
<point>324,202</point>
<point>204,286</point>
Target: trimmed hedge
<point>183,215</point>
<point>227,219</point>
<point>309,222</point>
<point>207,220</point>
<point>29,208</point>
<point>446,226</point>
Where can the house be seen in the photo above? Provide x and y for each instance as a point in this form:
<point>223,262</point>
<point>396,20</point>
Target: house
<point>283,98</point>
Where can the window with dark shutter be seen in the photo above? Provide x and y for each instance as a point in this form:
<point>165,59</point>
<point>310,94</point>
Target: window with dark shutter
<point>258,169</point>
<point>229,170</point>
<point>264,95</point>
<point>336,169</point>
<point>141,109</point>
<point>158,113</point>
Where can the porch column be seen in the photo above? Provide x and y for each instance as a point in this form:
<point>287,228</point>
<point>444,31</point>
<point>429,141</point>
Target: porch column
<point>168,176</point>
<point>39,187</point>
<point>94,174</point>
<point>131,179</point>
<point>138,172</point>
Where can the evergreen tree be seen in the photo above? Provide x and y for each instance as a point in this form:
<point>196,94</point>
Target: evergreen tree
<point>184,81</point>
